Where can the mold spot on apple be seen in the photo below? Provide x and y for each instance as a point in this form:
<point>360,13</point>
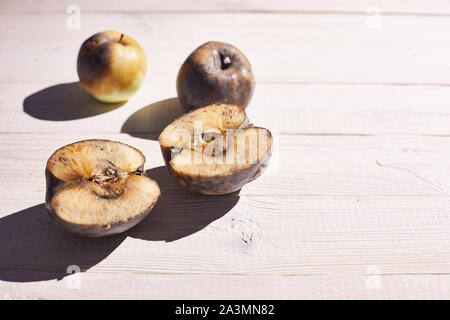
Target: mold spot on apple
<point>65,101</point>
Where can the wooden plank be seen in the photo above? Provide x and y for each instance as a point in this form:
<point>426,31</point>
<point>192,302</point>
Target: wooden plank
<point>352,218</point>
<point>339,214</point>
<point>294,48</point>
<point>247,235</point>
<point>300,165</point>
<point>284,109</point>
<point>346,6</point>
<point>141,286</point>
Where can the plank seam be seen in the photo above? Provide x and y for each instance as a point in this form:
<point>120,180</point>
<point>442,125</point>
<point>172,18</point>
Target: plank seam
<point>248,11</point>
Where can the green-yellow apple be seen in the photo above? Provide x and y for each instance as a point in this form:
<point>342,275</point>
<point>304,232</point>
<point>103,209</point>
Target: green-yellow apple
<point>111,66</point>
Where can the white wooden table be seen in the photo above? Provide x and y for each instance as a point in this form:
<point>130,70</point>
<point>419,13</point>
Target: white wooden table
<point>355,203</point>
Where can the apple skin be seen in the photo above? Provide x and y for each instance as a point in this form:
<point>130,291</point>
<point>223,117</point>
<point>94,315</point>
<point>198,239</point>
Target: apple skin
<point>111,66</point>
<point>215,73</point>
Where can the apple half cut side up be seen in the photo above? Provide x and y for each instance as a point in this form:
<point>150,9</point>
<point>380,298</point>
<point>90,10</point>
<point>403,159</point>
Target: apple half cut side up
<point>98,188</point>
<point>111,66</point>
<point>214,150</point>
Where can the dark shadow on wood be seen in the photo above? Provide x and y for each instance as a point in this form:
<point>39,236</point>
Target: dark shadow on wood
<point>32,248</point>
<point>149,121</point>
<point>65,101</point>
<point>179,212</point>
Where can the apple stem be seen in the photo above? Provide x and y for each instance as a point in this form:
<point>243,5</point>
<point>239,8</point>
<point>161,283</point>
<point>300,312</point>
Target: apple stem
<point>226,61</point>
<point>121,37</point>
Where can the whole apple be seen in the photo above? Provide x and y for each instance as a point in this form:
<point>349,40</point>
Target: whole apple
<point>111,66</point>
<point>215,73</point>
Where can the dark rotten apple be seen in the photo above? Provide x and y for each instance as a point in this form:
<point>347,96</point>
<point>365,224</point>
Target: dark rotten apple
<point>215,73</point>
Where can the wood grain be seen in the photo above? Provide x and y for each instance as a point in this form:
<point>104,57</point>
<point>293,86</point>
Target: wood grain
<point>355,201</point>
<point>335,109</point>
<point>298,48</point>
<point>288,236</point>
<point>300,165</point>
<point>146,286</point>
<point>334,232</point>
<point>437,7</point>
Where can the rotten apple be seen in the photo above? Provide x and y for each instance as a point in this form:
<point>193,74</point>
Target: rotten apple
<point>215,73</point>
<point>214,150</point>
<point>98,188</point>
<point>111,66</point>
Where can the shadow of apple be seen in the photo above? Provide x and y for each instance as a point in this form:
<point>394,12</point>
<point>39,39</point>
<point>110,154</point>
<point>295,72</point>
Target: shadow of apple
<point>149,121</point>
<point>65,101</point>
<point>180,212</point>
<point>32,248</point>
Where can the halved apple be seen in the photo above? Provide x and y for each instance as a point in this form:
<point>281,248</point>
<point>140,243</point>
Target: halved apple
<point>98,188</point>
<point>214,150</point>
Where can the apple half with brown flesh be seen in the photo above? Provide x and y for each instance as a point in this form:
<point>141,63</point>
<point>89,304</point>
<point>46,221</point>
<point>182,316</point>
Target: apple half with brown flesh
<point>98,188</point>
<point>111,66</point>
<point>214,150</point>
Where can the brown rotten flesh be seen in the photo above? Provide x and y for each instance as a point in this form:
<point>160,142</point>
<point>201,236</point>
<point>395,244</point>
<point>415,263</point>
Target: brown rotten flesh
<point>98,188</point>
<point>214,150</point>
